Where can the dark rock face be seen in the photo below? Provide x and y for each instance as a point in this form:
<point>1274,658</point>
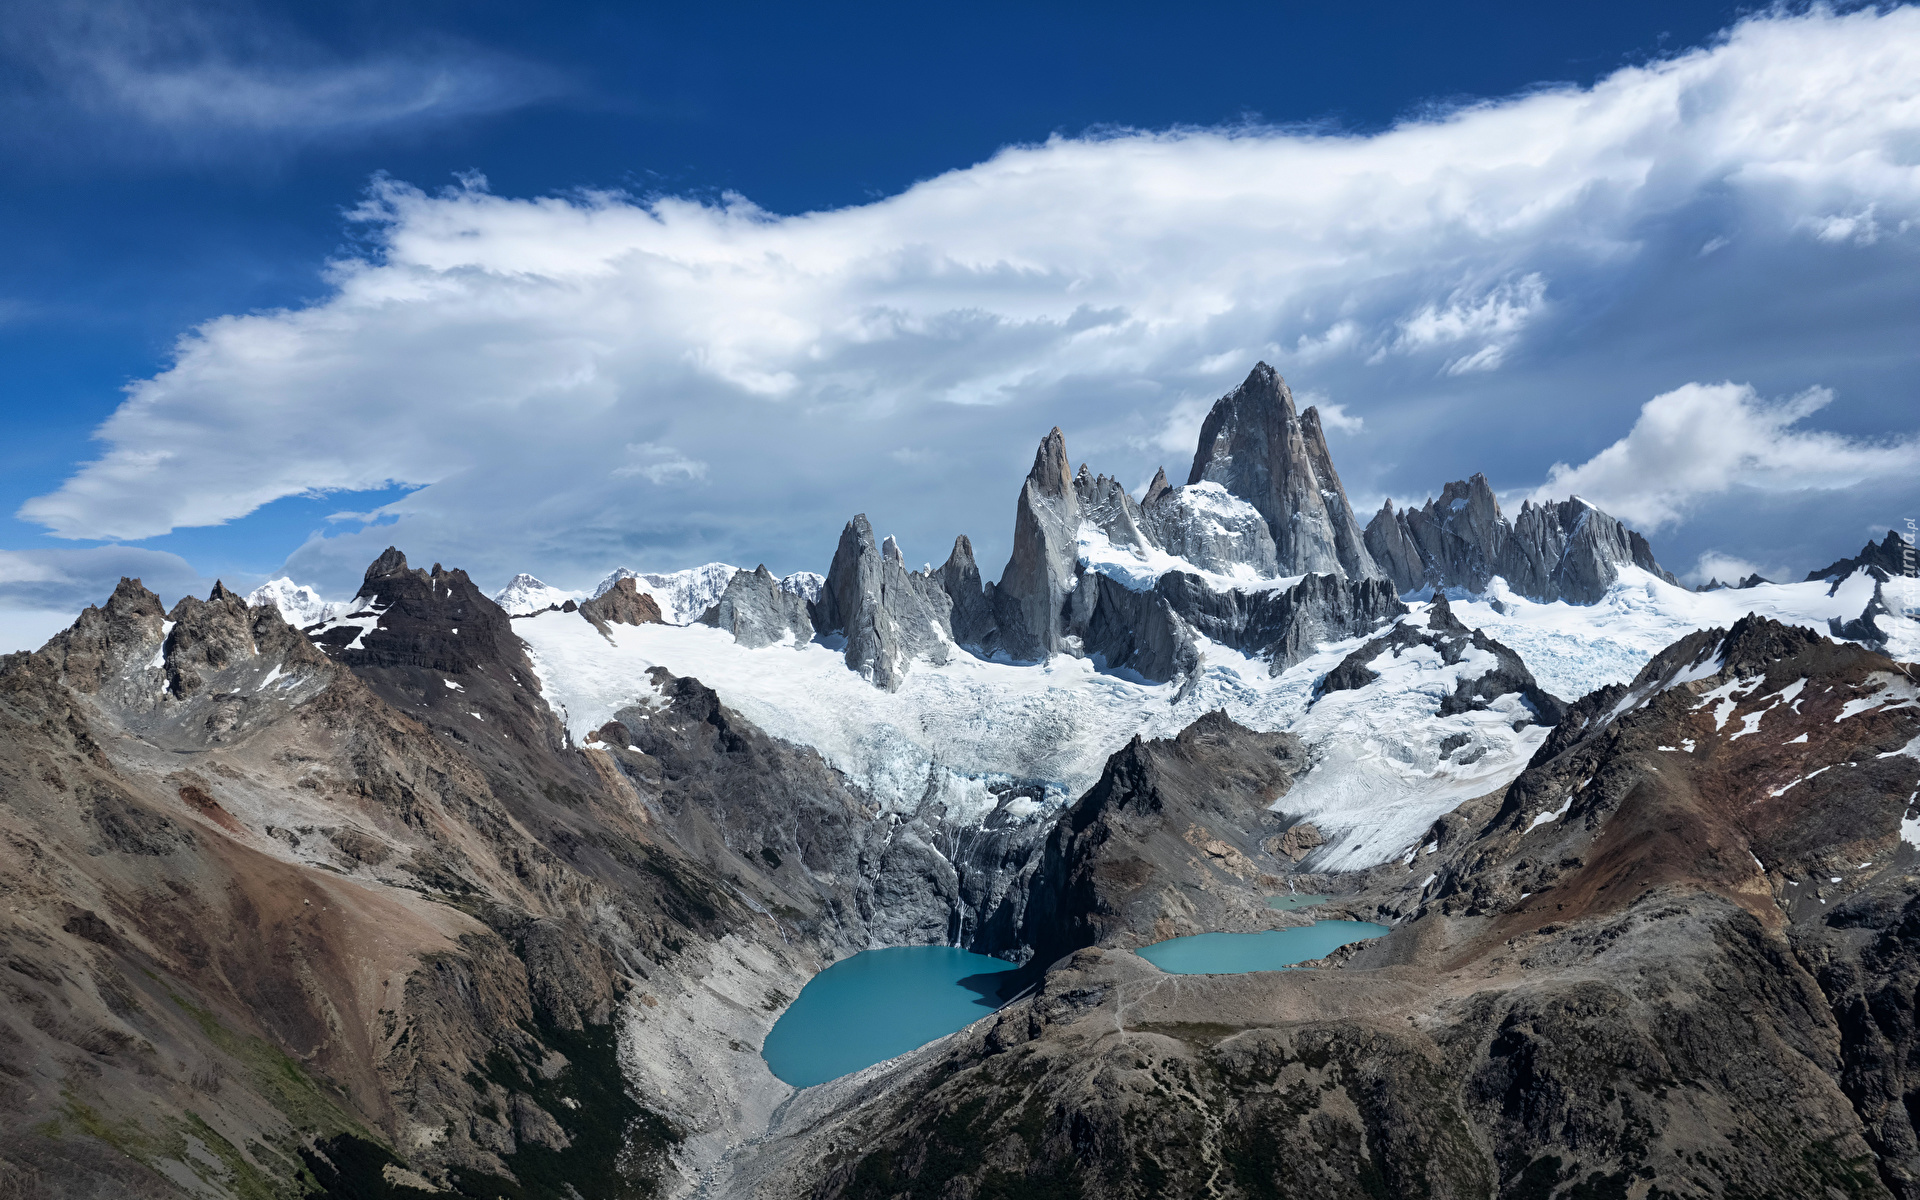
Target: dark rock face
<point>390,896</point>
<point>435,620</point>
<point>890,617</point>
<point>1451,640</point>
<point>102,642</point>
<point>1566,550</point>
<point>1893,554</point>
<point>1151,632</point>
<point>757,611</point>
<point>1287,626</point>
<point>1168,842</point>
<point>1106,506</point>
<point>622,604</point>
<point>732,795</point>
<point>1158,488</point>
<point>972,612</point>
<point>1256,445</point>
<point>1391,543</point>
<point>1714,585</point>
<point>1029,602</point>
<point>1136,631</point>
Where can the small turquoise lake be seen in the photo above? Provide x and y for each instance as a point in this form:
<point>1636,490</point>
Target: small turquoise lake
<point>877,1005</point>
<point>1237,953</point>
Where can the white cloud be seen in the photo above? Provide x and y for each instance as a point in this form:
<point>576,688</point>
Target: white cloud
<point>660,465</point>
<point>1486,358</point>
<point>68,580</point>
<point>147,79</point>
<point>1495,318</point>
<point>1336,416</point>
<point>1702,440</point>
<point>501,354</point>
<point>1332,416</point>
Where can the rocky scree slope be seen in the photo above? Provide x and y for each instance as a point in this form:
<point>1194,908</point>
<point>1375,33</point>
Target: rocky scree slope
<point>344,913</point>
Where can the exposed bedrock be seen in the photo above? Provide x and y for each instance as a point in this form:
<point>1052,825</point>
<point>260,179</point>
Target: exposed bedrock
<point>1893,555</point>
<point>1106,506</point>
<point>888,615</point>
<point>1152,632</point>
<point>1256,445</point>
<point>758,611</point>
<point>623,603</point>
<point>366,913</point>
<point>1029,600</point>
<point>1210,528</point>
<point>972,611</point>
<point>1168,842</point>
<point>1560,550</point>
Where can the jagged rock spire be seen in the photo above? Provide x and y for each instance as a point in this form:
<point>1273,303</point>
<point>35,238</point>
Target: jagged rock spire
<point>1256,445</point>
<point>889,616</point>
<point>1040,573</point>
<point>1158,488</point>
<point>972,611</point>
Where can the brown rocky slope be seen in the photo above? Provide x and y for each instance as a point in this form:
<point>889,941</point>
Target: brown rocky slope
<point>1677,957</point>
<point>347,915</point>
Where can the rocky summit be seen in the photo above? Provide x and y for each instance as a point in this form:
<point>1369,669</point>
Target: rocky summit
<point>431,893</point>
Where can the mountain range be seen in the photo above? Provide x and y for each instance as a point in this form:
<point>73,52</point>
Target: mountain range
<point>434,893</point>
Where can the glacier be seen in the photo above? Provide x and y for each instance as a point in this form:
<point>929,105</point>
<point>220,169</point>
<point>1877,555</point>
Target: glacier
<point>1379,775</point>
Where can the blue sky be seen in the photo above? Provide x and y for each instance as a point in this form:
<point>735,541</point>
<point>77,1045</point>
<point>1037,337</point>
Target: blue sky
<point>533,289</point>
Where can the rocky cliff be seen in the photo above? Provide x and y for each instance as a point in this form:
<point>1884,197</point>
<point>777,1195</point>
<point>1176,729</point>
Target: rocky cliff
<point>346,912</point>
<point>1260,448</point>
<point>1565,550</point>
<point>1893,555</point>
<point>889,616</point>
<point>1029,601</point>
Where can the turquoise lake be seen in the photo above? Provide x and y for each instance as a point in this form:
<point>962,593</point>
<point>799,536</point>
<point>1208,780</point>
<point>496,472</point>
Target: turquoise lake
<point>879,1004</point>
<point>1237,953</point>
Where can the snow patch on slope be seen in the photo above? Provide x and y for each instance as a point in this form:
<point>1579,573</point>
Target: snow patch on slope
<point>1574,648</point>
<point>1140,569</point>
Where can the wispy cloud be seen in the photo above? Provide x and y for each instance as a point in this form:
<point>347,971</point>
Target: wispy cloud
<point>660,465</point>
<point>148,79</point>
<point>66,580</point>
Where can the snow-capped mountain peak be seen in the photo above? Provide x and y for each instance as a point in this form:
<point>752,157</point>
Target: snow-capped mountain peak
<point>525,594</point>
<point>804,584</point>
<point>299,605</point>
<point>681,595</point>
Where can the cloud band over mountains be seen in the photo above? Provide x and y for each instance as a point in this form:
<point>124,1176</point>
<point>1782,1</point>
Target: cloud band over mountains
<point>571,380</point>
